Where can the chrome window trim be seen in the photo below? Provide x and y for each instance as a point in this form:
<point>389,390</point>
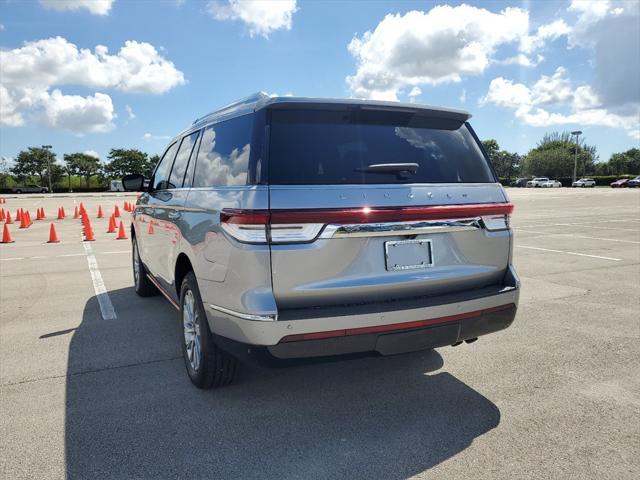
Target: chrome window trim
<point>401,228</point>
<point>244,316</point>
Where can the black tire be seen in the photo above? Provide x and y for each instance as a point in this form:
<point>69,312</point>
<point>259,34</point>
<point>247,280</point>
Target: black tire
<point>214,367</point>
<point>43,191</point>
<point>18,191</point>
<point>143,286</point>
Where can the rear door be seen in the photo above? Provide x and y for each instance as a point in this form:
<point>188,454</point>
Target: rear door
<point>375,205</point>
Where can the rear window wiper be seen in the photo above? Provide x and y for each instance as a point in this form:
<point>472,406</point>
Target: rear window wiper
<point>399,168</point>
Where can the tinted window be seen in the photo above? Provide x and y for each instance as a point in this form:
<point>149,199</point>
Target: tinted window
<point>161,175</point>
<point>182,160</point>
<point>338,147</point>
<point>223,158</point>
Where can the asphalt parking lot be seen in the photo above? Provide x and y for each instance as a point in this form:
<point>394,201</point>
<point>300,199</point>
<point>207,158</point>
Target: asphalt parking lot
<point>557,395</point>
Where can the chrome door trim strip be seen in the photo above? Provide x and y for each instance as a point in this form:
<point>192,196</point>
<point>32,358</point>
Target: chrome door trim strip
<point>244,316</point>
<point>401,228</point>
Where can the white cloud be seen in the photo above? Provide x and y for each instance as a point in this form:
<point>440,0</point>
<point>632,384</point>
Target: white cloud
<point>262,17</point>
<point>148,137</point>
<point>130,114</point>
<point>531,104</point>
<point>92,153</point>
<point>137,67</point>
<point>549,32</point>
<point>439,46</point>
<point>463,96</point>
<point>31,71</point>
<point>78,114</point>
<point>415,92</point>
<point>97,7</point>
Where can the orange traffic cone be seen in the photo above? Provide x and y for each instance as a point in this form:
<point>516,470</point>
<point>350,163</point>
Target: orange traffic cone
<point>88,232</point>
<point>60,216</point>
<point>6,234</point>
<point>82,209</point>
<point>8,220</point>
<point>150,230</point>
<point>23,221</point>
<point>99,211</point>
<point>121,233</point>
<point>116,211</point>
<point>18,215</point>
<point>38,217</point>
<point>75,212</point>
<point>63,214</point>
<point>112,224</point>
<point>42,214</point>
<point>53,236</point>
<point>2,215</point>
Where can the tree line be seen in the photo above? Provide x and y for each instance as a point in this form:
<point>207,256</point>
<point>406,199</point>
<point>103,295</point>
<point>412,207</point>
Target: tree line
<point>33,164</point>
<point>554,157</point>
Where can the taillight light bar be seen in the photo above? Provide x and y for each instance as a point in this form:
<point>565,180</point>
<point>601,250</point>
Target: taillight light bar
<point>304,225</point>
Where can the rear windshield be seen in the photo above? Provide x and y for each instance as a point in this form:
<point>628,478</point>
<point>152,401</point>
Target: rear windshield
<point>348,147</point>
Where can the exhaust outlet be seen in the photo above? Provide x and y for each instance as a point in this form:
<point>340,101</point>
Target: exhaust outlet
<point>471,340</point>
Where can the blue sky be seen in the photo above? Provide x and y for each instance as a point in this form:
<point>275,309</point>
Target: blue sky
<point>521,68</point>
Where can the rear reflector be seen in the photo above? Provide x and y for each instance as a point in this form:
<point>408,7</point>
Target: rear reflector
<point>394,327</point>
<point>304,225</point>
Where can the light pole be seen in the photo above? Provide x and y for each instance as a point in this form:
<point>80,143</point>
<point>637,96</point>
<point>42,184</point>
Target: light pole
<point>575,157</point>
<point>47,147</point>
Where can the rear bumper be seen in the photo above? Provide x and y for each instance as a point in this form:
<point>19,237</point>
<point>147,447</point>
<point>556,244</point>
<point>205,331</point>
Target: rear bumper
<point>397,342</point>
<point>384,327</point>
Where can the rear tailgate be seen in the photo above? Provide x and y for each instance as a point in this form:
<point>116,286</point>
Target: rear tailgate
<point>347,228</point>
<point>353,262</point>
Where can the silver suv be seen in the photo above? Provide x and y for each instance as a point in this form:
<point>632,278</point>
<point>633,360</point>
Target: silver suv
<point>288,229</point>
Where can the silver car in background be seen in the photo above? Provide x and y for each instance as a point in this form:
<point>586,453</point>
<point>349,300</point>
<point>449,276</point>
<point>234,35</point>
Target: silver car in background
<point>290,229</point>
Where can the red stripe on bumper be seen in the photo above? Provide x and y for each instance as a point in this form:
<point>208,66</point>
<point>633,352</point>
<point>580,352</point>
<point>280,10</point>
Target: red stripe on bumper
<point>393,327</point>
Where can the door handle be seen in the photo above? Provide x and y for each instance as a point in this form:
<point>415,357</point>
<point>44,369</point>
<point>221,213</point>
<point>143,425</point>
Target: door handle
<point>173,215</point>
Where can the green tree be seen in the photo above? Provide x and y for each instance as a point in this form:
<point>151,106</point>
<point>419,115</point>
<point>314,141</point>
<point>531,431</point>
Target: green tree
<point>82,164</point>
<point>506,164</point>
<point>125,161</point>
<point>625,162</point>
<point>153,161</point>
<point>33,162</point>
<point>554,157</point>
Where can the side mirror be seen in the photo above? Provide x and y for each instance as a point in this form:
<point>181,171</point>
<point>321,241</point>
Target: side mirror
<point>133,182</point>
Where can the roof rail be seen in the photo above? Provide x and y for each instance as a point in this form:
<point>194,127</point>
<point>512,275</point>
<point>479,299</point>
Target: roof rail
<point>255,98</point>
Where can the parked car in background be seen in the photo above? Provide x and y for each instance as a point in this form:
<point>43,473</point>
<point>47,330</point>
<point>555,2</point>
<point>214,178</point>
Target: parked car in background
<point>30,189</point>
<point>344,226</point>
<point>551,184</point>
<point>635,183</point>
<point>584,182</point>
<point>537,182</point>
<point>520,182</point>
<point>619,183</point>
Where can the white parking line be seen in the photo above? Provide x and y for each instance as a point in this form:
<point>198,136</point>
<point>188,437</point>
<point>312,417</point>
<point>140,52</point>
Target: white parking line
<point>586,224</point>
<point>106,307</point>
<point>576,236</point>
<point>570,253</point>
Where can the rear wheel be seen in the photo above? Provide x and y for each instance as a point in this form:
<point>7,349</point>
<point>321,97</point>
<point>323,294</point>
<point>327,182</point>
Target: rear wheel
<point>207,365</point>
<point>144,287</point>
<point>18,191</point>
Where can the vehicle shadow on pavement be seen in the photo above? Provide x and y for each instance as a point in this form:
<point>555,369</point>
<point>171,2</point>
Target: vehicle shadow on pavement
<point>132,412</point>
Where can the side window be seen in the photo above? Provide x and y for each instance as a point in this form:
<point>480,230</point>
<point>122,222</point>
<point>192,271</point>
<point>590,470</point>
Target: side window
<point>223,158</point>
<point>161,175</point>
<point>182,160</point>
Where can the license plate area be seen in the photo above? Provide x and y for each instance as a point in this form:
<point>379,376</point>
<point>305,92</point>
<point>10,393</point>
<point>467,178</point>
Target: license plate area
<point>408,254</point>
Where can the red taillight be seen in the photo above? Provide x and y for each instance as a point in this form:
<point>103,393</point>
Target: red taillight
<point>304,225</point>
<point>389,214</point>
